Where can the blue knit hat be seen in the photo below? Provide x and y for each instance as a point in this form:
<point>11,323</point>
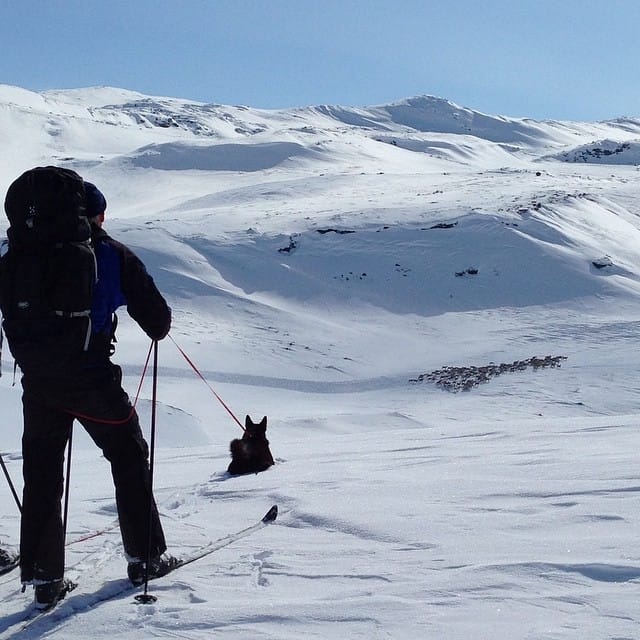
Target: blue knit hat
<point>95,202</point>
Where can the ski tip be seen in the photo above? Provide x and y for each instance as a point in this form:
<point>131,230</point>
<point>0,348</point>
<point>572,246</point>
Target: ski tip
<point>271,515</point>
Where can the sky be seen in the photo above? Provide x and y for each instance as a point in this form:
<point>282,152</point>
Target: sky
<point>544,59</point>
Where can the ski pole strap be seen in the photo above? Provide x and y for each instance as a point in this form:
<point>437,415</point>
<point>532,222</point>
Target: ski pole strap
<point>193,366</point>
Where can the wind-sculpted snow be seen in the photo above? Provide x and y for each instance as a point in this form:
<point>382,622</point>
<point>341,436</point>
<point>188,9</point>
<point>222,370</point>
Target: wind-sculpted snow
<point>436,115</point>
<point>478,263</point>
<point>461,151</point>
<point>220,157</point>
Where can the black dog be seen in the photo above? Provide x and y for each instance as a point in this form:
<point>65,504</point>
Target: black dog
<point>251,454</point>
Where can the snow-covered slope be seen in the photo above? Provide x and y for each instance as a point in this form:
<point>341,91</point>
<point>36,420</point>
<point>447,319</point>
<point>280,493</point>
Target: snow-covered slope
<point>319,262</point>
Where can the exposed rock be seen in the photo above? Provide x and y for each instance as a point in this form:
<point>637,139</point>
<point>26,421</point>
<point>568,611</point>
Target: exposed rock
<point>456,379</point>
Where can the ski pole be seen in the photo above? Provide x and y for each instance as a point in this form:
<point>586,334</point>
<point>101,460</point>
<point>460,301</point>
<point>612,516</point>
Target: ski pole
<point>146,598</point>
<point>13,489</point>
<point>66,487</point>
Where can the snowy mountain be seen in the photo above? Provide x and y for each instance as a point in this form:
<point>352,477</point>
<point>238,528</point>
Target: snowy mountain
<point>438,311</point>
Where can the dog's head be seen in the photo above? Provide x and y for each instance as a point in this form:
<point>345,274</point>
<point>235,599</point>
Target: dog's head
<point>252,430</point>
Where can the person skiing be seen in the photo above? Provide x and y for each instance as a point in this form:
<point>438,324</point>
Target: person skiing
<point>89,390</point>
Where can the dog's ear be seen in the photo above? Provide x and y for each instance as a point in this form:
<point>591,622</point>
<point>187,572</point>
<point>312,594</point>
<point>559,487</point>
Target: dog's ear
<point>263,422</point>
<point>248,422</point>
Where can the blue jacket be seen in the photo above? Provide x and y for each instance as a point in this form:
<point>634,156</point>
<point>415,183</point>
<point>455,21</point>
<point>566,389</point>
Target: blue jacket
<point>123,280</point>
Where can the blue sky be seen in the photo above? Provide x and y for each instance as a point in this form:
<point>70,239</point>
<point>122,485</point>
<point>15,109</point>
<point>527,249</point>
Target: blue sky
<point>551,59</point>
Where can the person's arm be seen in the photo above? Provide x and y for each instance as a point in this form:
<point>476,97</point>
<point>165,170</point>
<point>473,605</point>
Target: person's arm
<point>145,303</point>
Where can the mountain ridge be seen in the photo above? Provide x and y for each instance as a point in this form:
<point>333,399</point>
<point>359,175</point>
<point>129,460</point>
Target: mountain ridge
<point>422,114</point>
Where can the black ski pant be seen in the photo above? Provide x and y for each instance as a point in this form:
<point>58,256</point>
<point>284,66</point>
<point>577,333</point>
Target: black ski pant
<point>96,399</point>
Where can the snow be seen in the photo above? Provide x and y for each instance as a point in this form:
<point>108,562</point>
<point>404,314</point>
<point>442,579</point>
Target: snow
<point>318,262</point>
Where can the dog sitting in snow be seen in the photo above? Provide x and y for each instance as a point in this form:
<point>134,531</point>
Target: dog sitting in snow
<point>251,454</point>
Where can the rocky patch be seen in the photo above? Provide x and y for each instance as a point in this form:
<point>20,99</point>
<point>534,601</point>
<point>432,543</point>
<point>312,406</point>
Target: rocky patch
<point>456,379</point>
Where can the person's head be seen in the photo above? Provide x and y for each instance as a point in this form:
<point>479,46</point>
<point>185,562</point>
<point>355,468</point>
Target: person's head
<point>95,203</point>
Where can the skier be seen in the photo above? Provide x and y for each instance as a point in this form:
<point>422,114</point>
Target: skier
<point>90,391</point>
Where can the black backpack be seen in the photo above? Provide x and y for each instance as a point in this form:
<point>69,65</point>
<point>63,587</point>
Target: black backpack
<point>47,271</point>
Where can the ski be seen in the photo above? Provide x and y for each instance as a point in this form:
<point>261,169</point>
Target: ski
<point>125,587</point>
<point>93,534</point>
<point>10,562</point>
<point>270,516</point>
<point>33,614</point>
